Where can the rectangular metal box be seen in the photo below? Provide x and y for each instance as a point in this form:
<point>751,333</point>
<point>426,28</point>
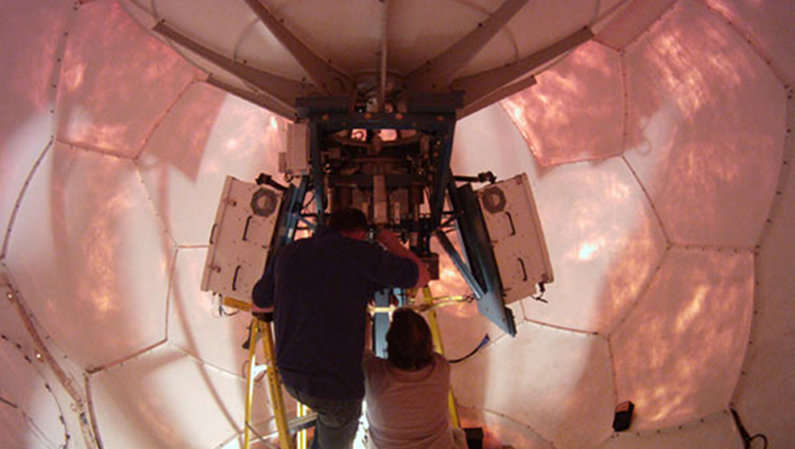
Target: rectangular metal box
<point>509,212</point>
<point>244,223</point>
<point>295,160</point>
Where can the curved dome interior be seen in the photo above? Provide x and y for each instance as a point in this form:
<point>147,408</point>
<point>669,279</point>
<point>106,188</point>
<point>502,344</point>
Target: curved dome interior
<point>658,152</point>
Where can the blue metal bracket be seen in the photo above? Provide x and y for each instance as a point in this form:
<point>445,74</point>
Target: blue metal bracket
<point>460,265</point>
<point>483,269</point>
<point>381,323</point>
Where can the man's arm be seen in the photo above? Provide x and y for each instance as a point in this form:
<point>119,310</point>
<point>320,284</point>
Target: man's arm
<point>262,294</point>
<point>391,242</point>
<point>257,309</point>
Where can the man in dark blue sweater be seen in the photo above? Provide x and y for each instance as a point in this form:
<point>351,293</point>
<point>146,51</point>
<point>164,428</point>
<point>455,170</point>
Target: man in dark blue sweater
<point>318,289</point>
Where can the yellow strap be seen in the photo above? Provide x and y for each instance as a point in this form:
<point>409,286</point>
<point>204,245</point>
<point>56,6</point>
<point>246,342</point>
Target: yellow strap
<point>439,347</point>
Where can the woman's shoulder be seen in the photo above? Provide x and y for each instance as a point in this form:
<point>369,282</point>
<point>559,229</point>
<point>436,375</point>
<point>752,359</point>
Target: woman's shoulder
<point>440,360</point>
<point>372,364</point>
<point>441,366</point>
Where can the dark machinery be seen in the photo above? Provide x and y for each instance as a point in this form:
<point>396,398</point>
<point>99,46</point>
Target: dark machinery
<point>392,163</point>
<point>395,167</point>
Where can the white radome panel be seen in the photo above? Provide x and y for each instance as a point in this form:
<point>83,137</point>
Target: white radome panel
<point>716,431</point>
<point>769,26</point>
<point>489,141</point>
<point>705,127</point>
<point>26,123</point>
<point>501,431</point>
<point>767,387</point>
<point>208,136</point>
<point>166,399</point>
<point>88,246</point>
<point>604,243</point>
<point>576,110</point>
<point>195,322</point>
<point>26,400</point>
<point>557,382</point>
<point>14,430</point>
<point>112,106</point>
<point>678,353</point>
<point>46,404</point>
<point>10,325</point>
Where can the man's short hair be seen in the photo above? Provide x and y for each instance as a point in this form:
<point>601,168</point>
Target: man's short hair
<point>409,341</point>
<point>348,219</point>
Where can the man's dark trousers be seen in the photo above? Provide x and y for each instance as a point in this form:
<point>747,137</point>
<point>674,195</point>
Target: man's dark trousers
<point>337,420</point>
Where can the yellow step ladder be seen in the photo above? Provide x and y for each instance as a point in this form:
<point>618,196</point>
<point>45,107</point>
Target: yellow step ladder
<point>262,330</point>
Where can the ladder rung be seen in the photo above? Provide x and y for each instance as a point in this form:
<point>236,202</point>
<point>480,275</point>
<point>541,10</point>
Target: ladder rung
<point>295,425</point>
<point>259,369</point>
<point>302,422</point>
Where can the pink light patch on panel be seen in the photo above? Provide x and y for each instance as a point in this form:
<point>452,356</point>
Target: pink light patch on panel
<point>195,321</point>
<point>207,136</point>
<point>26,100</point>
<point>604,243</point>
<point>678,354</point>
<point>186,401</point>
<point>575,112</point>
<point>556,382</point>
<point>116,81</point>
<point>705,128</point>
<point>88,249</point>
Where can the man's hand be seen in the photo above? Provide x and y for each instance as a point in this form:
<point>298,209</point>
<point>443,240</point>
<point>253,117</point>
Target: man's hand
<point>262,313</point>
<point>391,242</point>
<point>256,309</point>
<point>389,239</point>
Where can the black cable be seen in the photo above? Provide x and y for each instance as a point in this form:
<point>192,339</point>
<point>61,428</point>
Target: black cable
<point>747,438</point>
<point>540,296</point>
<point>758,435</point>
<point>222,310</point>
<point>480,345</point>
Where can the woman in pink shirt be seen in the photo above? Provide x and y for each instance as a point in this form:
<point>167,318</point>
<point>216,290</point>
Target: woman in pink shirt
<point>406,394</point>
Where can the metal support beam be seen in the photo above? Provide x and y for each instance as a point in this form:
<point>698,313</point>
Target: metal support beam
<point>460,265</point>
<point>437,74</point>
<point>382,63</point>
<point>266,100</point>
<point>443,177</point>
<point>497,95</point>
<point>478,86</point>
<point>327,78</point>
<point>431,123</point>
<point>317,172</point>
<point>283,89</point>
